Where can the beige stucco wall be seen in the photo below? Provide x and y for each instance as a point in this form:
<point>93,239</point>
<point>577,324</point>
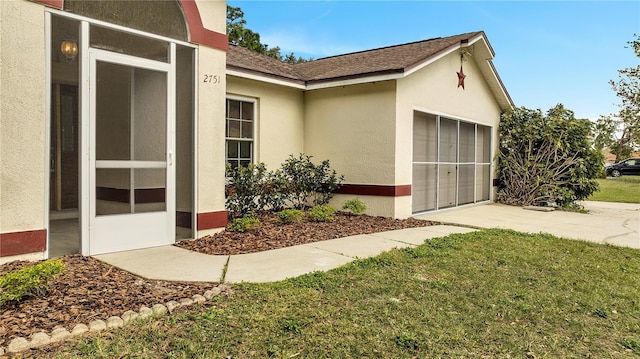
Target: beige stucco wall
<point>354,127</point>
<point>433,89</point>
<point>280,114</point>
<point>213,13</point>
<point>210,131</point>
<point>22,117</point>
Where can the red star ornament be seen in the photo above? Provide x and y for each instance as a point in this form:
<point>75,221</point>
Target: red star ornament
<point>461,77</point>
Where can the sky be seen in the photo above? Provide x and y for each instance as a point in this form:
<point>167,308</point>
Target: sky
<point>547,52</point>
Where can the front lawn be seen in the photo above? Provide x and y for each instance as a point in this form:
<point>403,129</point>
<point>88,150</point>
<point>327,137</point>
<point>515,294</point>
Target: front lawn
<point>493,293</point>
<point>624,189</point>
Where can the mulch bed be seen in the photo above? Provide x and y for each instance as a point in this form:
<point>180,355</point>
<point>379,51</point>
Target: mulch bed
<point>270,235</point>
<point>90,289</point>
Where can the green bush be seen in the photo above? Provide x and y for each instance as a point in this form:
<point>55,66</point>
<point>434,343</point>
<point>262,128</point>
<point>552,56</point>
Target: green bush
<point>245,185</point>
<point>308,183</point>
<point>30,281</point>
<point>290,216</point>
<point>322,213</point>
<point>244,223</point>
<point>546,159</point>
<point>356,206</point>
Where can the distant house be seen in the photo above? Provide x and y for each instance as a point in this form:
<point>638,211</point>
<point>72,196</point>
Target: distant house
<point>117,118</point>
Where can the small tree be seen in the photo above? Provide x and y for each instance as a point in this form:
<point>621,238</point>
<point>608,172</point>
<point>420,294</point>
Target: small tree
<point>620,132</point>
<point>546,158</point>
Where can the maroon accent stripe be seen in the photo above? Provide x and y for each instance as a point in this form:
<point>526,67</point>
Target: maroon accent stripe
<point>112,194</point>
<point>121,195</point>
<point>53,3</point>
<point>150,195</point>
<point>183,219</point>
<point>15,243</point>
<point>212,220</point>
<point>199,34</point>
<point>375,190</point>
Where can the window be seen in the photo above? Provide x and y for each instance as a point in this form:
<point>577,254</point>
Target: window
<point>239,131</point>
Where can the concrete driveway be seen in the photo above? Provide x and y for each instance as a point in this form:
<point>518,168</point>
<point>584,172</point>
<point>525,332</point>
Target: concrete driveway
<point>612,223</point>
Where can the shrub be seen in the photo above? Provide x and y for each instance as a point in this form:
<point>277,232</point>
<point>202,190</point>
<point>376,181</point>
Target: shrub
<point>546,158</point>
<point>308,183</point>
<point>290,216</point>
<point>29,281</point>
<point>245,185</point>
<point>322,213</point>
<point>244,223</point>
<point>356,206</point>
<point>275,195</point>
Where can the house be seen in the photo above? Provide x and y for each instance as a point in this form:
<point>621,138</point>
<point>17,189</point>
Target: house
<point>115,127</point>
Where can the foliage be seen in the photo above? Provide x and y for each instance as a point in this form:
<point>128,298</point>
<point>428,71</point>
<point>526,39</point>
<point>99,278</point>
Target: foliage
<point>322,213</point>
<point>29,281</point>
<point>275,194</point>
<point>243,223</point>
<point>355,205</point>
<point>241,36</point>
<point>245,186</point>
<point>310,183</point>
<point>546,159</point>
<point>620,132</point>
<point>289,216</point>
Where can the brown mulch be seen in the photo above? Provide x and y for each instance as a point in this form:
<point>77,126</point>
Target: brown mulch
<point>90,289</point>
<point>270,235</point>
<point>86,291</point>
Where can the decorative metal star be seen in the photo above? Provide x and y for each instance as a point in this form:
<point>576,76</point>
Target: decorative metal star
<point>461,77</point>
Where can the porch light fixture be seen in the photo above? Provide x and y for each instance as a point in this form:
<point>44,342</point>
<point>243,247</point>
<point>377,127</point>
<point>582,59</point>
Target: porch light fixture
<point>69,48</point>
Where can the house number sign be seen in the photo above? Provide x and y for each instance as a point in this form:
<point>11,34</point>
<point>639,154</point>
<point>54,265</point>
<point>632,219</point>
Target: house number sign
<point>211,79</point>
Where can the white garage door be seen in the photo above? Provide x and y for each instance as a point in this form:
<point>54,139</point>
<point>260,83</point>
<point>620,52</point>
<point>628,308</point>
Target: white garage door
<point>451,162</point>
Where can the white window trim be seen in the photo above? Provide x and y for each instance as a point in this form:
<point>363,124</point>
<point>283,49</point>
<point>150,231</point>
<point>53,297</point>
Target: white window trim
<point>255,156</point>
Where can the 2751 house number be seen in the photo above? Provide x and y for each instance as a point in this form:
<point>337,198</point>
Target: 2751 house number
<point>211,79</point>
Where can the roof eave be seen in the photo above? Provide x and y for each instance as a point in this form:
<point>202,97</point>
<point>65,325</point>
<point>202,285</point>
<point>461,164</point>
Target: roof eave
<point>264,77</point>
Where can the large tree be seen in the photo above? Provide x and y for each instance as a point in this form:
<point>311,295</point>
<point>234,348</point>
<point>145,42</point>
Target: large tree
<point>240,35</point>
<point>546,158</point>
<point>620,132</point>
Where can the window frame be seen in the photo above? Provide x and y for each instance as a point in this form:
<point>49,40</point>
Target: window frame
<point>253,140</point>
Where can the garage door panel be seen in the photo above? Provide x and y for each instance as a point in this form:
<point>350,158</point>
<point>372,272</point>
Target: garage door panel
<point>424,187</point>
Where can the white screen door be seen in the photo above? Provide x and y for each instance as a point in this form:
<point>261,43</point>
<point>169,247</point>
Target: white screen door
<point>132,142</point>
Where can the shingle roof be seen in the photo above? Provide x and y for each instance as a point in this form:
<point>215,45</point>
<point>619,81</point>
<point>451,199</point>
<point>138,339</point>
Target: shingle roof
<point>392,59</point>
<point>386,60</point>
<point>397,61</point>
<point>244,59</point>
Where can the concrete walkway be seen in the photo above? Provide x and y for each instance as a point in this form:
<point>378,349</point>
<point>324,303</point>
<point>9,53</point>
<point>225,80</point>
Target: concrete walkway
<point>612,223</point>
<point>177,264</point>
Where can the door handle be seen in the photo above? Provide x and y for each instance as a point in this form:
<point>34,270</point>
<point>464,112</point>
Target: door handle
<point>170,158</point>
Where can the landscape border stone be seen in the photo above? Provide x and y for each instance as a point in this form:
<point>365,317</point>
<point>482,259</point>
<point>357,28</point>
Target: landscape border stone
<point>40,339</point>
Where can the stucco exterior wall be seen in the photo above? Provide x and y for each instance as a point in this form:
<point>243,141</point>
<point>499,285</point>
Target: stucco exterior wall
<point>210,131</point>
<point>212,13</point>
<point>280,119</point>
<point>23,117</point>
<point>433,89</point>
<point>353,127</point>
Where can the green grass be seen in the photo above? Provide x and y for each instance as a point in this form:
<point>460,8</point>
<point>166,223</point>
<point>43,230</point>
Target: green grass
<point>624,189</point>
<point>493,294</point>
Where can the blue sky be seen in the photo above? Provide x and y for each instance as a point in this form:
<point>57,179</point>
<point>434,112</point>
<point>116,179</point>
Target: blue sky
<point>547,52</point>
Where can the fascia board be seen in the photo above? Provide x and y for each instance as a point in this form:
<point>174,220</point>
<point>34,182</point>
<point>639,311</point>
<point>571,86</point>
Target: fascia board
<point>356,81</point>
<point>266,79</point>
